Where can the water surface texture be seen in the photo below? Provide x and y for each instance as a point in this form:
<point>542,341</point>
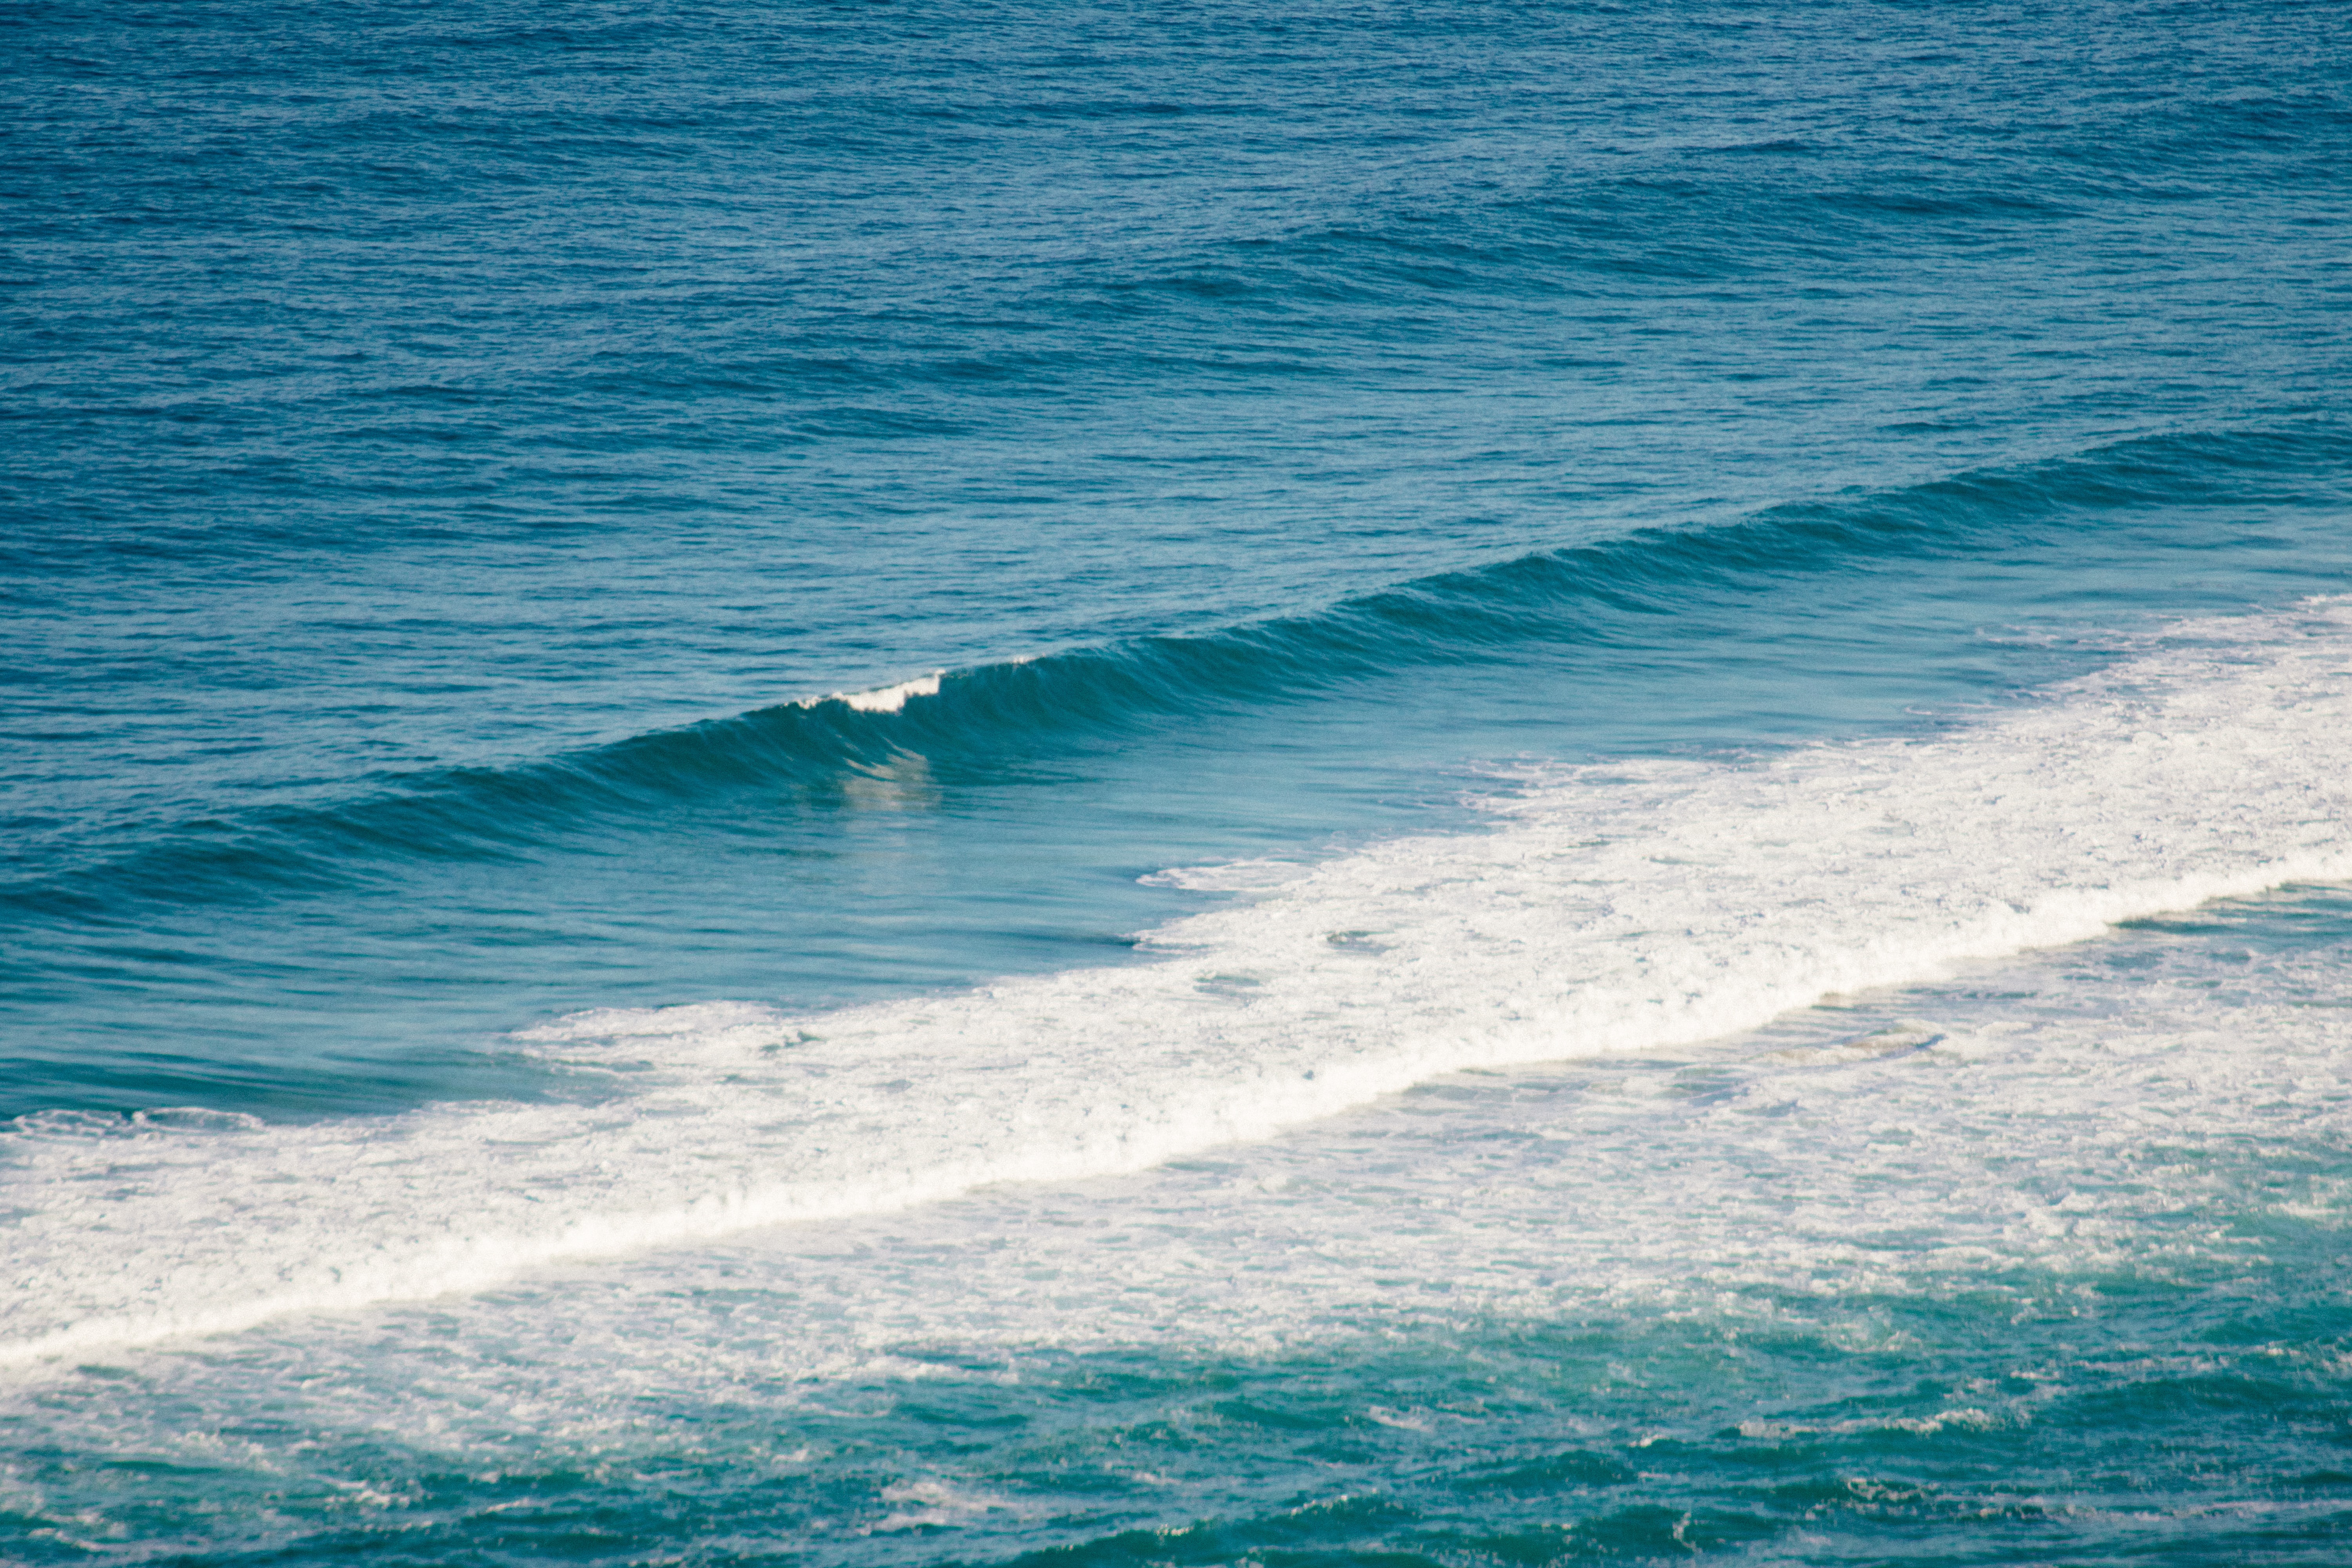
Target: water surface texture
<point>1126,785</point>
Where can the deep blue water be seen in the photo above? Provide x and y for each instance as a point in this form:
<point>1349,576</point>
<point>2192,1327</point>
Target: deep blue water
<point>459,457</point>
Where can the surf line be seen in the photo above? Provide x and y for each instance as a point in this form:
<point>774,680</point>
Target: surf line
<point>1645,906</point>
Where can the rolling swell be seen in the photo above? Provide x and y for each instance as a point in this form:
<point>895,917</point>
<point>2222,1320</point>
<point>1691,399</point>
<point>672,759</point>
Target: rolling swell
<point>1618,592</point>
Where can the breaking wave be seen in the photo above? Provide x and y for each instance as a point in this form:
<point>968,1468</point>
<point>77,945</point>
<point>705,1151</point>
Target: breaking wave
<point>1629,908</point>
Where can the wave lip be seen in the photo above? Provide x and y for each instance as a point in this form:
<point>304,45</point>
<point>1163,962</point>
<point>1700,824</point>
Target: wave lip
<point>1636,907</point>
<point>883,699</point>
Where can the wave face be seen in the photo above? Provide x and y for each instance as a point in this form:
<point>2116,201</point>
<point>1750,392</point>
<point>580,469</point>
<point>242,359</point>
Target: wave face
<point>1638,909</point>
<point>1512,612</point>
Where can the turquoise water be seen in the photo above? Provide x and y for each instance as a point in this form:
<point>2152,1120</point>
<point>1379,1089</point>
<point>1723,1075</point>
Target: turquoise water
<point>1141,785</point>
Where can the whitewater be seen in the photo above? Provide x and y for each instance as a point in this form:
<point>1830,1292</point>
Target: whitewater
<point>1633,907</point>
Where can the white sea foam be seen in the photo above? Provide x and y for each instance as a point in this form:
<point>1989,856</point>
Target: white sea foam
<point>883,698</point>
<point>1645,906</point>
<point>1255,876</point>
<point>2168,1104</point>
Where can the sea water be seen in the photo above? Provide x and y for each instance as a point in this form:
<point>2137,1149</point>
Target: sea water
<point>1129,784</point>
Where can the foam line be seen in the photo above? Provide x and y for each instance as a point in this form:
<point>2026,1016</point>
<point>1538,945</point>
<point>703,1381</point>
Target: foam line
<point>1631,908</point>
<point>885,698</point>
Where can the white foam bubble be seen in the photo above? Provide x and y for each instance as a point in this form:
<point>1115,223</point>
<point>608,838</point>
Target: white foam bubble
<point>1631,908</point>
<point>1253,875</point>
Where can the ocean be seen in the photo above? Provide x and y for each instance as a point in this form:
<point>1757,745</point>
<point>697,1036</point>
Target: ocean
<point>1099,784</point>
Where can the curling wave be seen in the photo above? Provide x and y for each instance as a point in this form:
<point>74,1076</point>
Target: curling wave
<point>1591,593</point>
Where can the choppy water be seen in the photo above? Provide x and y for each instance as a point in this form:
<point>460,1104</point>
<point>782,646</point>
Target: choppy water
<point>1198,785</point>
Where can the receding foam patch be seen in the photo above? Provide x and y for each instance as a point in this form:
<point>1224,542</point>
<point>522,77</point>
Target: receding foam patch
<point>1646,906</point>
